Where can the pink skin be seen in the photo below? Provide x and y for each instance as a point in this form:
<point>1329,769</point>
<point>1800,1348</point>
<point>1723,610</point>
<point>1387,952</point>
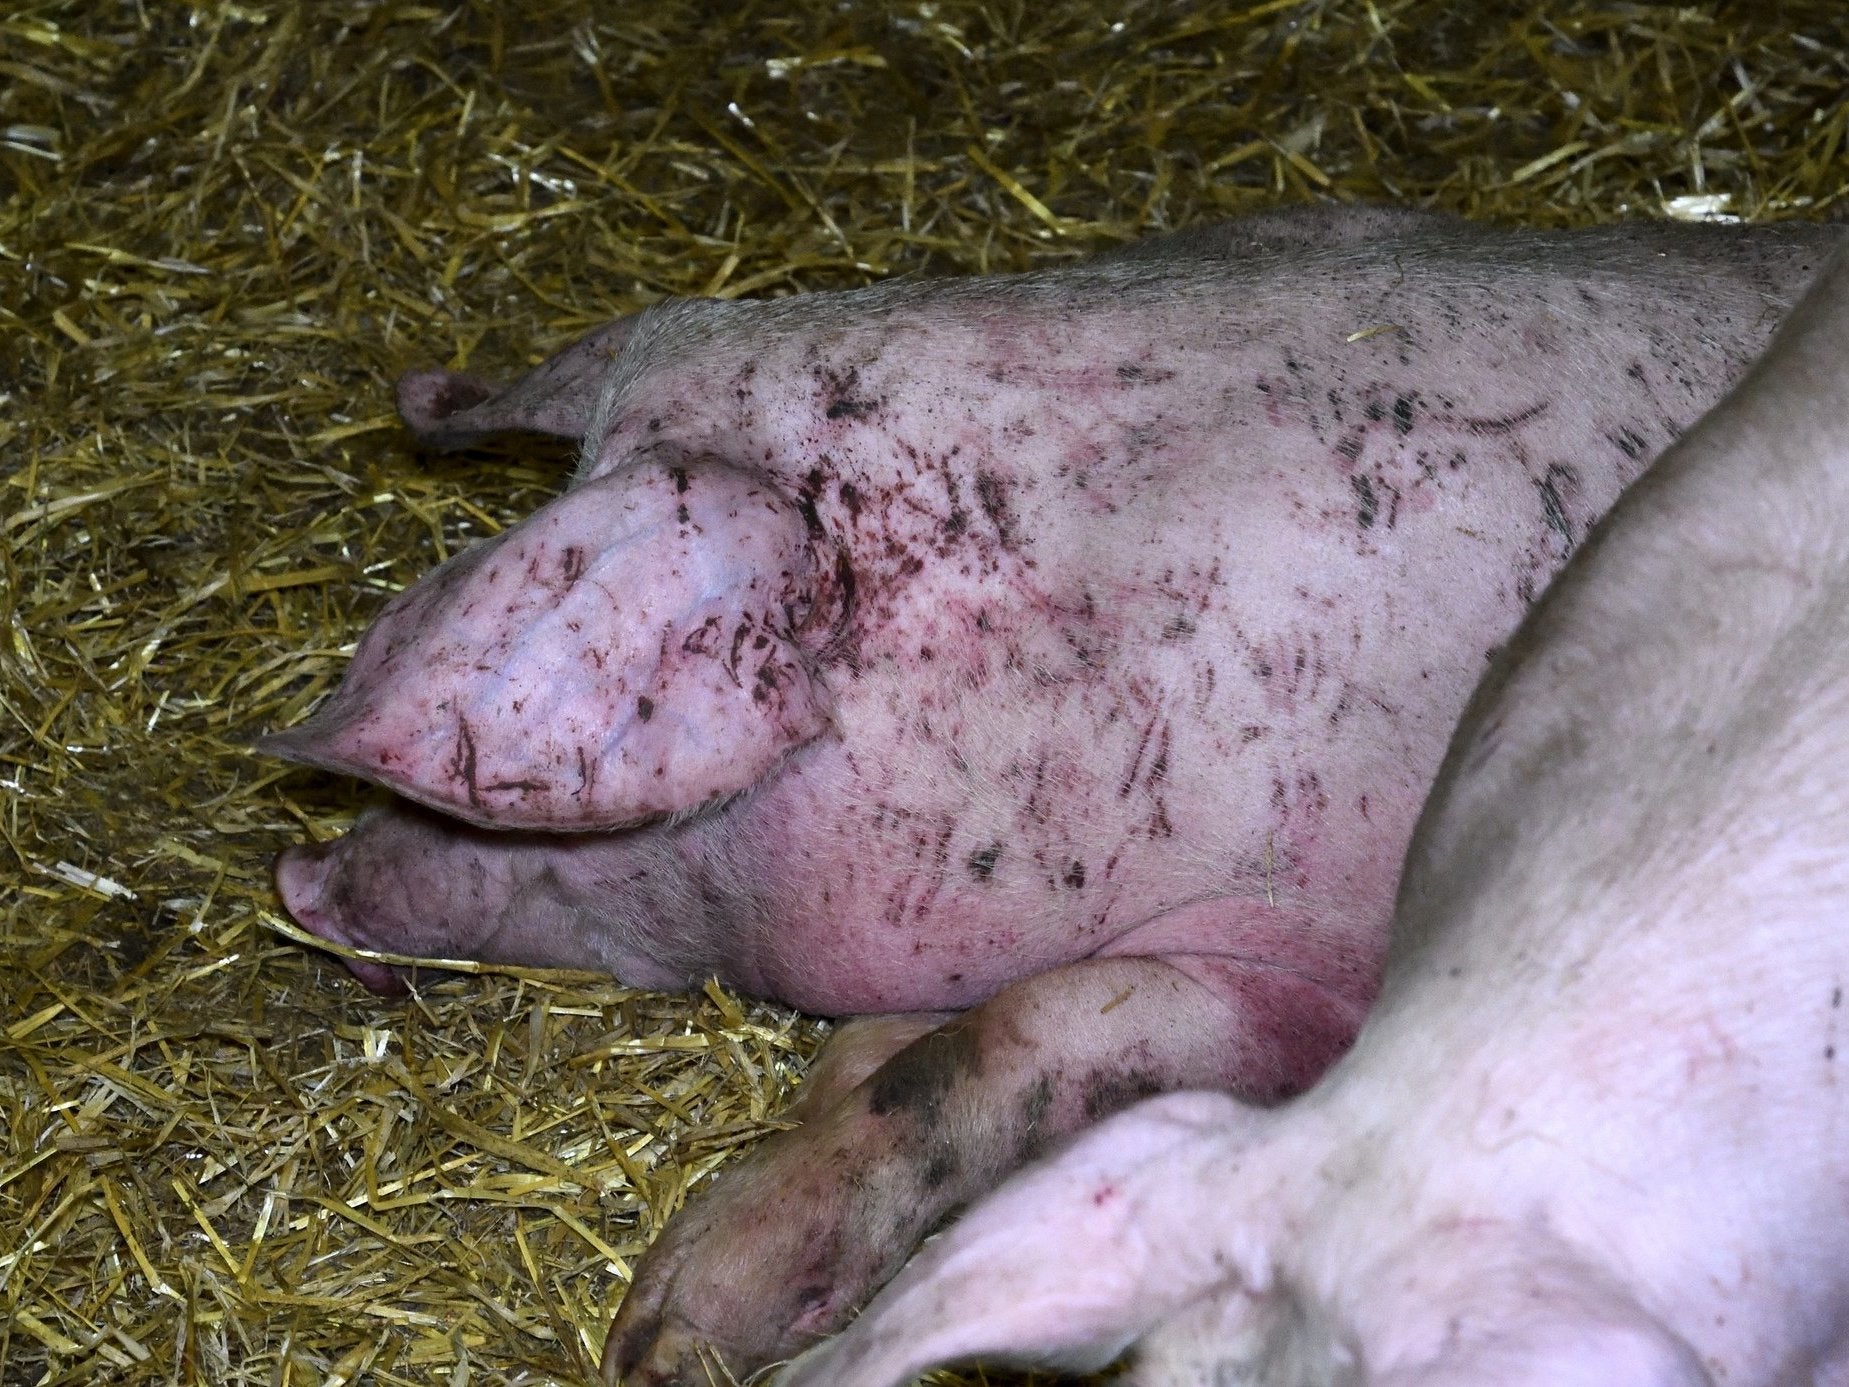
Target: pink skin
<point>1592,1133</point>
<point>1115,621</point>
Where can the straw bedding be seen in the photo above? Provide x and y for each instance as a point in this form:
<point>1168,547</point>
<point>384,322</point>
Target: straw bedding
<point>225,227</point>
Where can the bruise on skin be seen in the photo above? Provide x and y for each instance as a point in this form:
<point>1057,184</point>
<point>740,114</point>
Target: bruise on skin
<point>914,1082</point>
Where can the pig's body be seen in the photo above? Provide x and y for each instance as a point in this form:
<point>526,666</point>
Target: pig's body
<point>1594,1133</point>
<point>1079,646</point>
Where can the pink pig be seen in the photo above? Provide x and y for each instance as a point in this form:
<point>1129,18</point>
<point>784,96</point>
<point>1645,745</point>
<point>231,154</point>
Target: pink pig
<point>1593,1134</point>
<point>1047,668</point>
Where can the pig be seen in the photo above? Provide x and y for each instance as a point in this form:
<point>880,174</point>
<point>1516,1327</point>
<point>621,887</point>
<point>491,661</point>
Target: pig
<point>1045,671</point>
<point>1593,1133</point>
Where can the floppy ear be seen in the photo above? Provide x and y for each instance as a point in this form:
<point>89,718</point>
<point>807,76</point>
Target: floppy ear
<point>639,646</point>
<point>450,409</point>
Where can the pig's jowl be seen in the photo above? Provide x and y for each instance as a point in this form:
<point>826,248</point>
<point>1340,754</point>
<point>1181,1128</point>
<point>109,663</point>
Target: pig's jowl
<point>1049,666</point>
<point>1593,1134</point>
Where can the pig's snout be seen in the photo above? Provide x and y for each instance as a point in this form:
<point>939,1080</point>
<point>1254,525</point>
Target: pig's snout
<point>303,879</point>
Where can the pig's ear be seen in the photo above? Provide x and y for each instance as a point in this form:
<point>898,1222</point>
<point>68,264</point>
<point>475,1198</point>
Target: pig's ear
<point>448,409</point>
<point>641,646</point>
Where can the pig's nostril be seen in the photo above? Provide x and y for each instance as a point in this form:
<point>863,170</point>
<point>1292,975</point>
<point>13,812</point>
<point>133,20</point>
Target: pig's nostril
<point>301,873</point>
<point>301,880</point>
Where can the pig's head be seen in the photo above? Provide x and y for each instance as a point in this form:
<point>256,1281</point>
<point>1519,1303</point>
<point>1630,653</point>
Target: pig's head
<point>641,646</point>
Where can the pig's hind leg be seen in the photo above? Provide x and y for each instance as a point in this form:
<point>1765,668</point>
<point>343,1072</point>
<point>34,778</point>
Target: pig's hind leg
<point>785,1245</point>
<point>1071,1260</point>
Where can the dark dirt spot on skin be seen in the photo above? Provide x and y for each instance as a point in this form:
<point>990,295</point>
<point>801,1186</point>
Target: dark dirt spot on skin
<point>915,1081</point>
<point>852,409</point>
<point>982,862</point>
<point>463,766</point>
<point>1075,875</point>
<point>1135,374</point>
<point>1108,1091</point>
<point>1553,509</point>
<point>993,496</point>
<point>1508,423</point>
<point>523,786</point>
<point>1039,1099</point>
<point>805,502</point>
<point>765,685</point>
<point>1369,505</point>
<point>939,1168</point>
<point>1034,1108</point>
<point>1628,443</point>
<point>645,708</point>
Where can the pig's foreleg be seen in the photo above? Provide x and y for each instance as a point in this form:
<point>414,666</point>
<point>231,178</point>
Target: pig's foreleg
<point>856,1050</point>
<point>761,1199</point>
<point>1077,1257</point>
<point>786,1244</point>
